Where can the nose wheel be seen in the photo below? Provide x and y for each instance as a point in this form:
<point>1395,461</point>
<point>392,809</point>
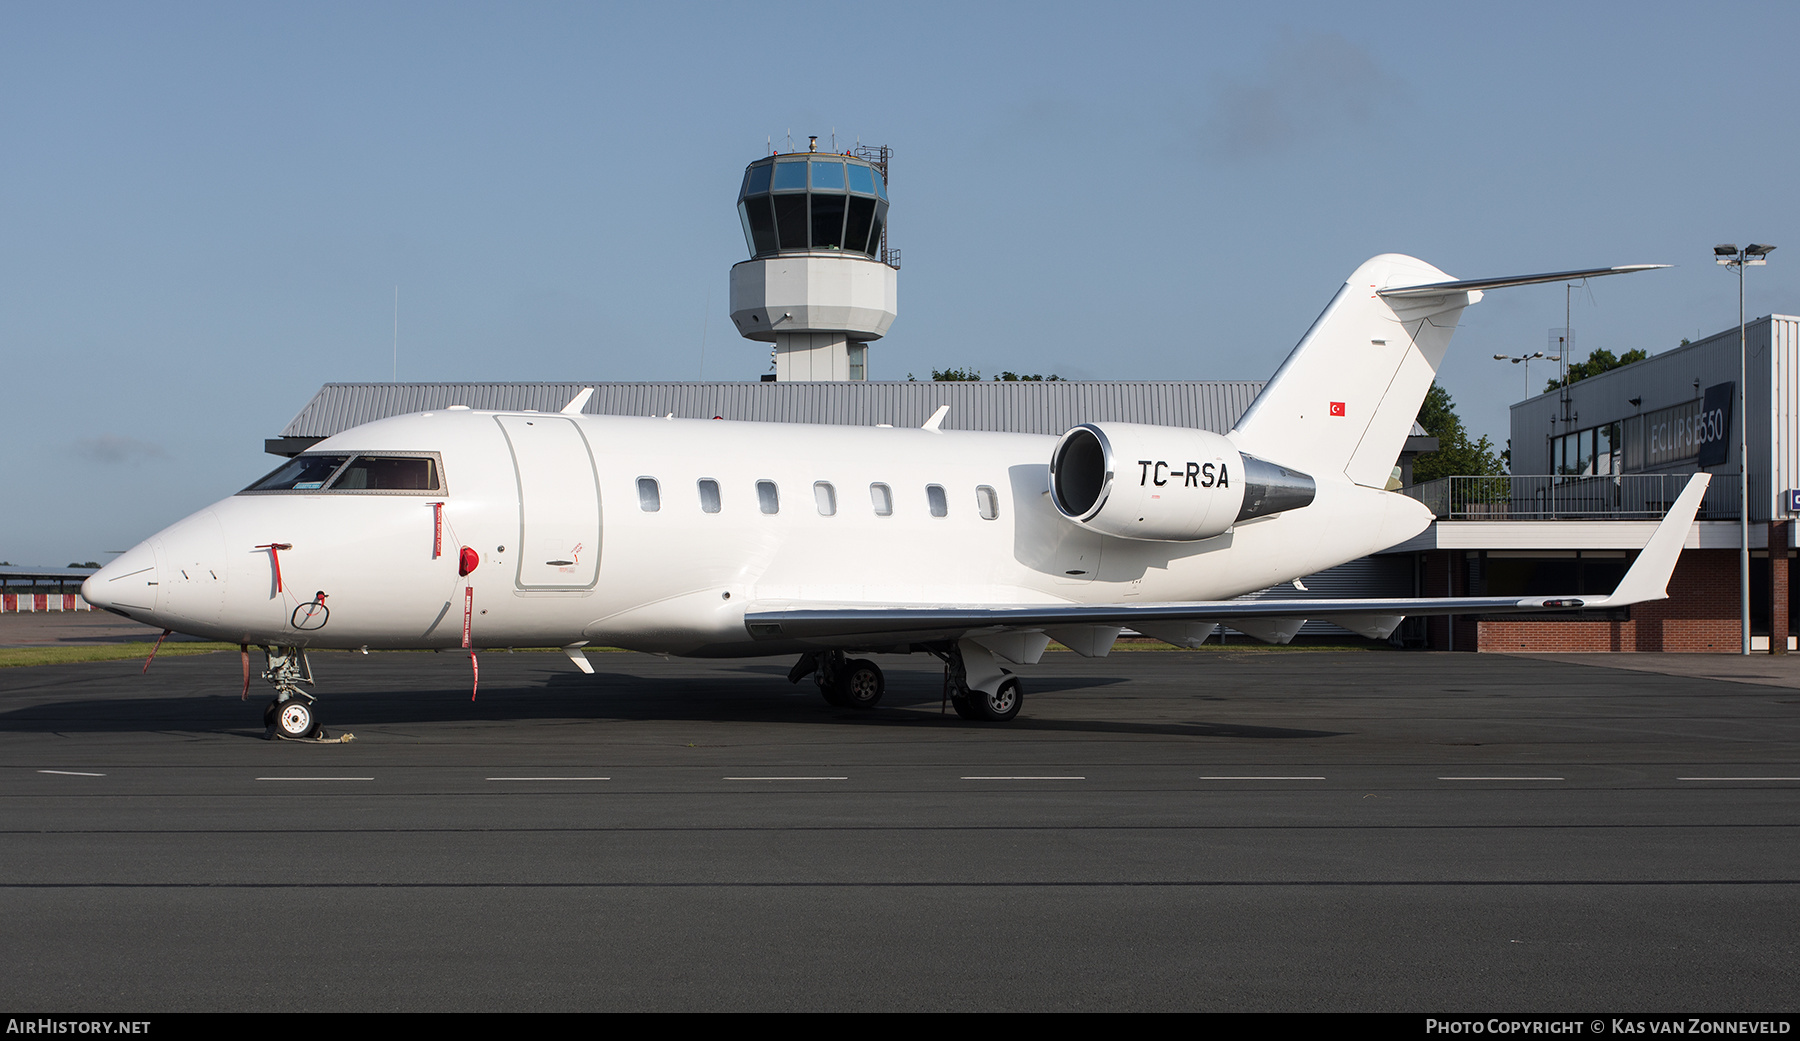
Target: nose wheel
<point>293,715</point>
<point>292,719</point>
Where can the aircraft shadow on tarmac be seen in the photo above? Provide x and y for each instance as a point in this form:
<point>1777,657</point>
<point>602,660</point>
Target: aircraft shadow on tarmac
<point>748,694</point>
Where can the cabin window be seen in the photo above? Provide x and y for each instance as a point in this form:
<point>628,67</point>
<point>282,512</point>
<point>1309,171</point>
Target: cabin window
<point>987,502</point>
<point>709,495</point>
<point>303,473</point>
<point>826,496</point>
<point>883,498</point>
<point>649,495</point>
<point>766,497</point>
<point>940,506</point>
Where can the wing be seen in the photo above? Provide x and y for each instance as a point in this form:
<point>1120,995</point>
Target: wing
<point>1648,579</point>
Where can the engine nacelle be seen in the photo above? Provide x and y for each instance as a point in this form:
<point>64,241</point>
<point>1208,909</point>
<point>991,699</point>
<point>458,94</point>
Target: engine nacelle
<point>1166,484</point>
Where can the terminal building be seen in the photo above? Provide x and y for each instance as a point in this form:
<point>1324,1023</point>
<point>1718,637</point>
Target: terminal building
<point>1595,464</point>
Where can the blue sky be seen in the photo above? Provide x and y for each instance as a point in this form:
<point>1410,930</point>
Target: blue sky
<point>207,207</point>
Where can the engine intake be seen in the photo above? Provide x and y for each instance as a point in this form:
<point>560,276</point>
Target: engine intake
<point>1166,484</point>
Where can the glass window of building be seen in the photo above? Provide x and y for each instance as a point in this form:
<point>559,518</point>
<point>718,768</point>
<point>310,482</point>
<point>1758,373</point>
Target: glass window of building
<point>766,497</point>
<point>883,499</point>
<point>649,495</point>
<point>790,221</point>
<point>827,175</point>
<point>759,224</point>
<point>828,221</point>
<point>790,175</point>
<point>709,495</point>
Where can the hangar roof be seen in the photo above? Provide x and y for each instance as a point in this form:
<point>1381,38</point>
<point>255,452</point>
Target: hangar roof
<point>1029,407</point>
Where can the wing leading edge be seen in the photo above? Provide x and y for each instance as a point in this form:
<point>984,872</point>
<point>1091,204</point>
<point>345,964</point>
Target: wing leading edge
<point>1647,579</point>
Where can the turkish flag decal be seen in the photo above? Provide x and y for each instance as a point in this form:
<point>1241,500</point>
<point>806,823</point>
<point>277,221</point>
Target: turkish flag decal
<point>1337,408</point>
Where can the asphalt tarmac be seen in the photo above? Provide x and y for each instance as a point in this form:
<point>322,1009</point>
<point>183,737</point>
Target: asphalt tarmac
<point>1208,830</point>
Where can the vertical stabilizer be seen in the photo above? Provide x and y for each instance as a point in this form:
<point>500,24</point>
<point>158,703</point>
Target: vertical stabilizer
<point>1347,396</point>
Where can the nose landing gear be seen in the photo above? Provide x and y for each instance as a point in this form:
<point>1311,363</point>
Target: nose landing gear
<point>291,716</point>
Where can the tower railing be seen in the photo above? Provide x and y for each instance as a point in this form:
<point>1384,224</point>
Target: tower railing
<point>1547,497</point>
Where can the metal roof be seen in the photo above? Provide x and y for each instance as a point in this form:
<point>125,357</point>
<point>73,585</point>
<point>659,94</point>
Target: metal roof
<point>1022,407</point>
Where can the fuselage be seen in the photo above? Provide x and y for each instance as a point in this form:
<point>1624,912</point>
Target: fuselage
<point>658,534</point>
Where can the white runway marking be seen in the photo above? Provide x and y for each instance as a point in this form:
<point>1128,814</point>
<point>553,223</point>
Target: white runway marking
<point>549,778</point>
<point>1025,778</point>
<point>787,778</point>
<point>70,773</point>
<point>1503,778</point>
<point>1270,777</point>
<point>1738,778</point>
<point>315,778</point>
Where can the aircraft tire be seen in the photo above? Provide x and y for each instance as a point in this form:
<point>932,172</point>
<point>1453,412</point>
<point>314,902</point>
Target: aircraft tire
<point>965,707</point>
<point>294,719</point>
<point>833,693</point>
<point>269,713</point>
<point>862,684</point>
<point>1003,704</point>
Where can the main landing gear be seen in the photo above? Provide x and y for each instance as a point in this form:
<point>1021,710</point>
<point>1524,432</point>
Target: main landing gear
<point>844,682</point>
<point>291,716</point>
<point>974,682</point>
<point>978,688</point>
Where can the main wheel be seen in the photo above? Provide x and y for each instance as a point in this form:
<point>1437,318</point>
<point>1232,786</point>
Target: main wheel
<point>833,693</point>
<point>862,684</point>
<point>964,707</point>
<point>269,713</point>
<point>1003,704</point>
<point>294,719</point>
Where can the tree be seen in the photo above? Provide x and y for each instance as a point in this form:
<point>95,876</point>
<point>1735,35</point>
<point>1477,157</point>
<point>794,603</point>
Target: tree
<point>1456,454</point>
<point>1597,363</point>
<point>974,376</point>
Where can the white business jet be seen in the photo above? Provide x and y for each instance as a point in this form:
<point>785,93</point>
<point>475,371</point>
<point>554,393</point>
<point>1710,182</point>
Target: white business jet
<point>466,528</point>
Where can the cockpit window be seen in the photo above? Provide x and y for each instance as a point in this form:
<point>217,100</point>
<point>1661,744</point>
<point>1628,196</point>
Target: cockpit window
<point>412,473</point>
<point>377,473</point>
<point>303,473</point>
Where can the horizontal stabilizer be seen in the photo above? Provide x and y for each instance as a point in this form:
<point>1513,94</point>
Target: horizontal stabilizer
<point>1468,284</point>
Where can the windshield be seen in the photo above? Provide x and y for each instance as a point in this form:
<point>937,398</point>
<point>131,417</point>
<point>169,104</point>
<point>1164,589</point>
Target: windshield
<point>303,473</point>
<point>417,474</point>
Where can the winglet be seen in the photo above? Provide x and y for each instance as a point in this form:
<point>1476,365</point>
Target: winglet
<point>1648,578</point>
<point>578,402</point>
<point>936,420</point>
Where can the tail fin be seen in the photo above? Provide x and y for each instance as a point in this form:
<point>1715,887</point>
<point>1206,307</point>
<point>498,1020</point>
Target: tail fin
<point>1347,396</point>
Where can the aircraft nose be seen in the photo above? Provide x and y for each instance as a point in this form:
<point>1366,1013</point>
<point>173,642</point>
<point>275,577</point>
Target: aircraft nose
<point>128,584</point>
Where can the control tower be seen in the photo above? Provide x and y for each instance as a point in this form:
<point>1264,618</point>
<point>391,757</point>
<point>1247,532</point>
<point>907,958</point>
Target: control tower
<point>819,283</point>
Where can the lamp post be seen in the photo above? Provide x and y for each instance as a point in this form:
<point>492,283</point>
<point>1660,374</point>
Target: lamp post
<point>1527,359</point>
<point>1755,254</point>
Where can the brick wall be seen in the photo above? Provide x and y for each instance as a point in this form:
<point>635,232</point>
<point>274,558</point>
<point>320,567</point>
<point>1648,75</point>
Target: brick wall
<point>1701,615</point>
